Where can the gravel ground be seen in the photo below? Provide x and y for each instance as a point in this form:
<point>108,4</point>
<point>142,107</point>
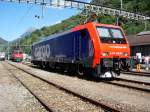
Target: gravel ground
<point>56,99</point>
<point>137,78</point>
<point>14,97</point>
<point>122,98</point>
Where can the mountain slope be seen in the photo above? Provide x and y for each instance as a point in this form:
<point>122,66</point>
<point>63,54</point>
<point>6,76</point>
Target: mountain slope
<point>2,41</point>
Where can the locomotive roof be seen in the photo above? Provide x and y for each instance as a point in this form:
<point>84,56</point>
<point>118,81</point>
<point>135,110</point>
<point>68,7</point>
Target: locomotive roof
<point>52,36</point>
<point>60,34</point>
<point>76,28</point>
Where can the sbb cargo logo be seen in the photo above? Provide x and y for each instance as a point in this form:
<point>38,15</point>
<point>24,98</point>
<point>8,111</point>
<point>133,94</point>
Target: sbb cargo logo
<point>42,51</point>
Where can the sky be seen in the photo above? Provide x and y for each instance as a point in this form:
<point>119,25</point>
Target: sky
<point>16,19</point>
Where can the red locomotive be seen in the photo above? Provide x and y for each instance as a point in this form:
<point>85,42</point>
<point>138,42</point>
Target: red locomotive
<point>17,56</point>
<point>95,49</point>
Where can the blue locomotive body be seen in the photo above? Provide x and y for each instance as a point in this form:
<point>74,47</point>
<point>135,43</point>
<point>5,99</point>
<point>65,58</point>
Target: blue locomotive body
<point>62,49</point>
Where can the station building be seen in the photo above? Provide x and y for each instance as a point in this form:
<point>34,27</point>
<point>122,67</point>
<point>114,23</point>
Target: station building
<point>140,43</point>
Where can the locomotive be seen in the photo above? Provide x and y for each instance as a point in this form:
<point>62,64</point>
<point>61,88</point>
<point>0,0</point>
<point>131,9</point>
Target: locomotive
<point>95,49</point>
<point>17,55</point>
<point>2,56</point>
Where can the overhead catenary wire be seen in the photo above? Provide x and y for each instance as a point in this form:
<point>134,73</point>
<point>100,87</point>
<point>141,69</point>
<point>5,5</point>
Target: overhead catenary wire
<point>25,15</point>
<point>84,5</point>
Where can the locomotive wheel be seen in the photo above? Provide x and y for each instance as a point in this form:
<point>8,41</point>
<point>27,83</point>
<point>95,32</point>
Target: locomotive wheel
<point>87,73</point>
<point>80,70</point>
<point>80,73</point>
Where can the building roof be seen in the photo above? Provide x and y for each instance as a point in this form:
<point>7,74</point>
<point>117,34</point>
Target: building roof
<point>142,38</point>
<point>144,33</point>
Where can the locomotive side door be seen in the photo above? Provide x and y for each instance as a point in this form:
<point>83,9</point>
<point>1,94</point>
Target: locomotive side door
<point>83,47</point>
<point>77,46</point>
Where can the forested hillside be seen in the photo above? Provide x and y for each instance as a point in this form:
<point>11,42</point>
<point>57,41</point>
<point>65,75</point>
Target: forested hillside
<point>130,26</point>
<point>138,6</point>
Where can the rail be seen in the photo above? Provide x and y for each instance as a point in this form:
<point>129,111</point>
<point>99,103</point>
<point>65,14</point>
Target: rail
<point>144,74</point>
<point>90,100</point>
<point>130,84</point>
<point>42,102</point>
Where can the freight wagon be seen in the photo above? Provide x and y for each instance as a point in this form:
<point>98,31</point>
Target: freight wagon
<point>93,49</point>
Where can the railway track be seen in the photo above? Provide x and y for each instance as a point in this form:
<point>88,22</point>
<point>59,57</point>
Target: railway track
<point>42,102</point>
<point>131,84</point>
<point>144,74</point>
<point>106,107</point>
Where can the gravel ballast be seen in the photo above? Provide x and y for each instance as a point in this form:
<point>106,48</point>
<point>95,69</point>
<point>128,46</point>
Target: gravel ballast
<point>56,99</point>
<point>14,97</point>
<point>118,97</point>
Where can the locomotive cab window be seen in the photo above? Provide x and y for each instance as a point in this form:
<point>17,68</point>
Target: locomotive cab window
<point>104,32</point>
<point>111,35</point>
<point>116,33</point>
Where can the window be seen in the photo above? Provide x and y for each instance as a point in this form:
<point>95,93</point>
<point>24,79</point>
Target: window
<point>103,32</point>
<point>111,35</point>
<point>116,33</point>
<point>109,32</point>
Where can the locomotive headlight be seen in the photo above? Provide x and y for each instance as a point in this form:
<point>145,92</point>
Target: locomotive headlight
<point>125,54</point>
<point>105,53</point>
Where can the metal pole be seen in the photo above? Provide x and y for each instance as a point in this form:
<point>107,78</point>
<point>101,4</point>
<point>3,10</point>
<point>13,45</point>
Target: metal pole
<point>8,50</point>
<point>121,7</point>
<point>19,44</point>
<point>145,25</point>
<point>42,10</point>
<point>117,20</point>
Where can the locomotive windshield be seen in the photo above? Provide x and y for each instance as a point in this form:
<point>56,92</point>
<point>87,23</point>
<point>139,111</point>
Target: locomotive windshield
<point>17,51</point>
<point>111,35</point>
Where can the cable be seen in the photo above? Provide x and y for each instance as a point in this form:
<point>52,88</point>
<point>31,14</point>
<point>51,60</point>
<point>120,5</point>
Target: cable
<point>42,12</point>
<point>22,18</point>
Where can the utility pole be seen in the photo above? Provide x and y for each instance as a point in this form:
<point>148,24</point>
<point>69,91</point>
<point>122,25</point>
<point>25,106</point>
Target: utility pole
<point>145,25</point>
<point>121,7</point>
<point>8,51</point>
<point>42,16</point>
<point>117,20</point>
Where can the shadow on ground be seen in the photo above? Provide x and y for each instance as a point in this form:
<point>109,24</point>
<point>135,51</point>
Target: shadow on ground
<point>87,77</point>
